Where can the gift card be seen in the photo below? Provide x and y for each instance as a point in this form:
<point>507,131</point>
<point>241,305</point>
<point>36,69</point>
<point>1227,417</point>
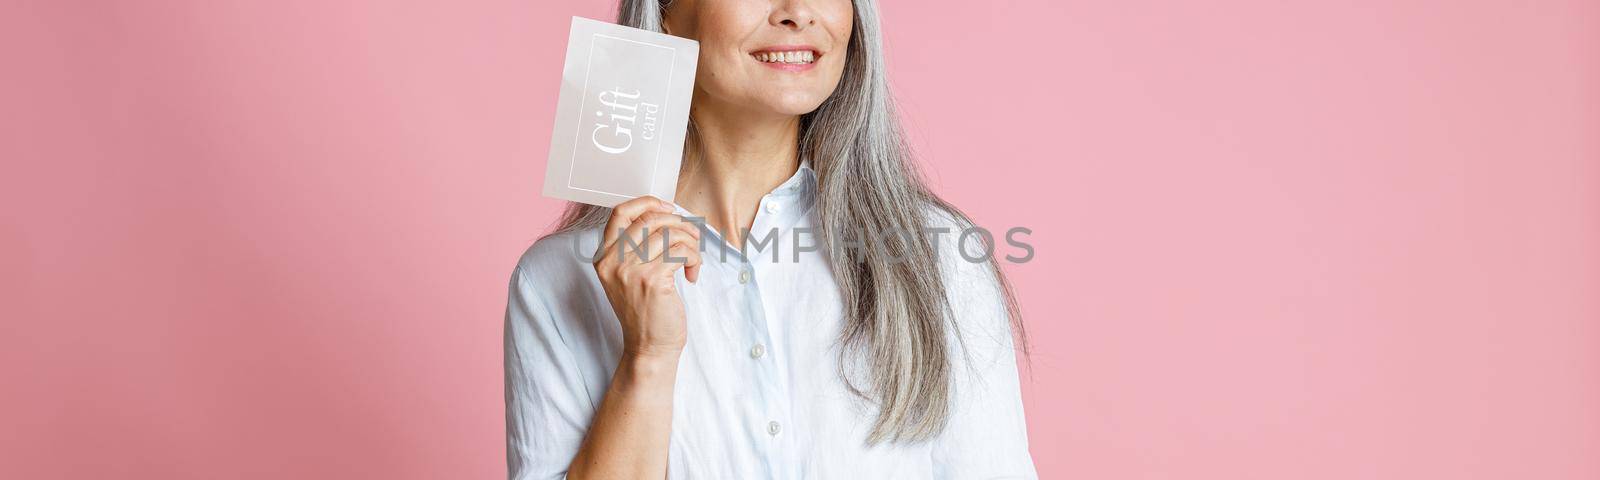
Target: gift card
<point>622,114</point>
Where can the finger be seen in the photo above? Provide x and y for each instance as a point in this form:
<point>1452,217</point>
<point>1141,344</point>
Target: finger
<point>674,253</point>
<point>662,240</point>
<point>691,269</point>
<point>652,222</point>
<point>682,256</point>
<point>632,252</point>
<point>624,214</point>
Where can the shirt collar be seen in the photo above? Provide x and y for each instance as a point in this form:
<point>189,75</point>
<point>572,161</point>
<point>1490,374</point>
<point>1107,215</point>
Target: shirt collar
<point>803,182</point>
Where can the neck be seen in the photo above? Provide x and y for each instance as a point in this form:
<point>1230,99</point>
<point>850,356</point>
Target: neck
<point>732,161</point>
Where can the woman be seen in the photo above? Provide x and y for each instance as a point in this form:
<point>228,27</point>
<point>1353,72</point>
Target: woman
<point>833,346</point>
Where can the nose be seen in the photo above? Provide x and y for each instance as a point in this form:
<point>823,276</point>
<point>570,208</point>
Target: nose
<point>793,14</point>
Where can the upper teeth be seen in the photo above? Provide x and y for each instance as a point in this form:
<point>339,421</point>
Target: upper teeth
<point>794,56</point>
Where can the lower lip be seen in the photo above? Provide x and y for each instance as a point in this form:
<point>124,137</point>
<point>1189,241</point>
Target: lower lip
<point>788,67</point>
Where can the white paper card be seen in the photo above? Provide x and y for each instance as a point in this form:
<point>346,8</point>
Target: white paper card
<point>622,114</point>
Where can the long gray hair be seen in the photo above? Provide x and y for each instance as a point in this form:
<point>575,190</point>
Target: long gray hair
<point>897,316</point>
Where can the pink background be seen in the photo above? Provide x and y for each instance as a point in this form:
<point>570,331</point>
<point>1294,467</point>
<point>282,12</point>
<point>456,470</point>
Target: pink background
<point>1328,240</point>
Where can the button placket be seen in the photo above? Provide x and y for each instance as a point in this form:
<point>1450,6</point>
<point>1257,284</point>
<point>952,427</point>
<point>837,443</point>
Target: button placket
<point>772,395</point>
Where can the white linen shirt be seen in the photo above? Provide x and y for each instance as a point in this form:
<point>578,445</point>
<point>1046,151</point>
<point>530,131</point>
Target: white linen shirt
<point>758,391</point>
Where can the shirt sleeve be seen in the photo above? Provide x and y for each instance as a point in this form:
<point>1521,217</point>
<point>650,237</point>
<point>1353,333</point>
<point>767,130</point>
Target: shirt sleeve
<point>547,408</point>
<point>987,436</point>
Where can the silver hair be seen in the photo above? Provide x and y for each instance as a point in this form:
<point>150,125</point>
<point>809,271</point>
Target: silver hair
<point>897,315</point>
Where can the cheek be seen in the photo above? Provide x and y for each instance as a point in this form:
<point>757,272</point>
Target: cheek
<point>839,22</point>
<point>839,18</point>
<point>835,64</point>
<point>723,76</point>
<point>722,27</point>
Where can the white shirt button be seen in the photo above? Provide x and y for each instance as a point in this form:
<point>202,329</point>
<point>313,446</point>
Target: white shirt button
<point>744,277</point>
<point>772,207</point>
<point>773,428</point>
<point>758,351</point>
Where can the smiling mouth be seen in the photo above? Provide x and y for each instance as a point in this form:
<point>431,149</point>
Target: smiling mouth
<point>789,57</point>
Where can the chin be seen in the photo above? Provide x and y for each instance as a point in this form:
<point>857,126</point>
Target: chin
<point>796,104</point>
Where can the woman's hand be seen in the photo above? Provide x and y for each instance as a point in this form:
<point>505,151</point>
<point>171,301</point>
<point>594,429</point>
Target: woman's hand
<point>637,274</point>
